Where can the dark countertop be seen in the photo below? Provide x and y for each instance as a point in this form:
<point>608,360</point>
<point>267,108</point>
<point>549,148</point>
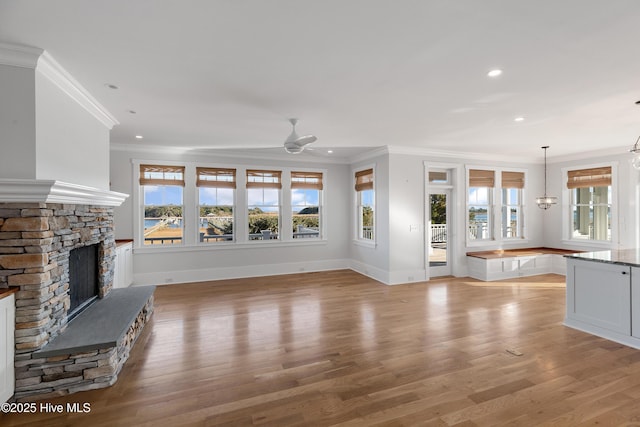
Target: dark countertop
<point>120,242</point>
<point>629,257</point>
<point>5,292</point>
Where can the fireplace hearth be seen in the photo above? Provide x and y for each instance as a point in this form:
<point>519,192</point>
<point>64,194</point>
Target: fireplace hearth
<point>60,256</point>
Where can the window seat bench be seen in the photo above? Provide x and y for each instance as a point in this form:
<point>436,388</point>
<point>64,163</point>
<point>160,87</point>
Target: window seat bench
<point>509,263</point>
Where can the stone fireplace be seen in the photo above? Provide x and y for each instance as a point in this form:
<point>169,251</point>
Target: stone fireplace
<point>36,240</point>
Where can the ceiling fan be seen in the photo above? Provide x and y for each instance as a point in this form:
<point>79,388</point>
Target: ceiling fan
<point>295,144</point>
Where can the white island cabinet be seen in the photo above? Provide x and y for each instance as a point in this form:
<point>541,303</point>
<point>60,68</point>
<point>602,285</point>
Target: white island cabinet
<point>603,295</point>
<point>7,352</point>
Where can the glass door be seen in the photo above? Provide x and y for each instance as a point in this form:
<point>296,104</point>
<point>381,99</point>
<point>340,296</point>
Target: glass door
<point>438,234</point>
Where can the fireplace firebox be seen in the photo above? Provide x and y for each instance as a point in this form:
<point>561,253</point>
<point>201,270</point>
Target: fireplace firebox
<point>83,278</point>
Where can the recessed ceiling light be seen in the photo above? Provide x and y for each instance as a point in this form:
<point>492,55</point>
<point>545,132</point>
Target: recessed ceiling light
<point>494,73</point>
<point>139,137</point>
<point>111,86</point>
<point>329,151</point>
<point>518,119</point>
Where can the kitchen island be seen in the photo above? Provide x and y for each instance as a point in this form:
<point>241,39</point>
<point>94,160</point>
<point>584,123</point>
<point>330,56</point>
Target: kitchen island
<point>603,294</point>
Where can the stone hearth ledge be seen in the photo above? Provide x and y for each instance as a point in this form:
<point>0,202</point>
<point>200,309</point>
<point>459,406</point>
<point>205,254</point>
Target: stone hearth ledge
<point>102,324</point>
<point>87,356</point>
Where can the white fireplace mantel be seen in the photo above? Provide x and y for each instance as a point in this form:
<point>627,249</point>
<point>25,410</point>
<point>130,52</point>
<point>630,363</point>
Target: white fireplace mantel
<point>50,191</point>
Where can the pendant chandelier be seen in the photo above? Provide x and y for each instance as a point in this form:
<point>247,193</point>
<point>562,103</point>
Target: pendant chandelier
<point>545,202</point>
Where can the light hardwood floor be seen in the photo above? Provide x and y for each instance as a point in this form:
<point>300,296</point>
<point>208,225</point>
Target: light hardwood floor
<point>337,348</point>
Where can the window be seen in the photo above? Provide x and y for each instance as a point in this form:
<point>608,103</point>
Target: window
<point>263,203</point>
<point>365,203</point>
<point>306,188</point>
<point>216,196</point>
<point>512,185</point>
<point>163,187</point>
<point>590,195</point>
<point>479,204</point>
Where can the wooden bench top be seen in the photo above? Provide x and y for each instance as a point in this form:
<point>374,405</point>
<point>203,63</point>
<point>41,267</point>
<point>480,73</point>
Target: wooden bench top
<point>508,253</point>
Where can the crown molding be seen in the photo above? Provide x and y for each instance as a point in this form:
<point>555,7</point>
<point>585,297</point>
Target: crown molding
<point>43,63</point>
<point>379,151</point>
<point>428,152</point>
<point>49,191</point>
<point>19,56</point>
<point>213,153</point>
<point>55,73</point>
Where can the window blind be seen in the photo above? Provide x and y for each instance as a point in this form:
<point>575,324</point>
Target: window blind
<point>512,179</point>
<point>161,175</point>
<point>481,178</point>
<point>309,180</point>
<point>593,177</point>
<point>264,179</point>
<point>364,180</point>
<point>438,176</point>
<point>216,177</point>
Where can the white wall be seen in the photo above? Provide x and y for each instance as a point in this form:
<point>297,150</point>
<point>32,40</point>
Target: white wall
<point>369,258</point>
<point>406,220</point>
<point>399,254</point>
<point>196,263</point>
<point>71,144</point>
<point>408,248</point>
<point>17,123</point>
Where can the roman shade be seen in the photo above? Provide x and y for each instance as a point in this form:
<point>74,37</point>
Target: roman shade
<point>481,178</point>
<point>512,179</point>
<point>438,176</point>
<point>364,180</point>
<point>593,177</point>
<point>264,179</point>
<point>216,177</point>
<point>161,175</point>
<point>308,180</point>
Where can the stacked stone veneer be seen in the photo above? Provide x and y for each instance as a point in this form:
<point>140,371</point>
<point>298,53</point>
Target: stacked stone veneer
<point>35,241</point>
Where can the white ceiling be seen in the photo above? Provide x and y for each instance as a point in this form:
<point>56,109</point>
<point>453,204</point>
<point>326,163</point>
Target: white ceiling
<point>204,74</point>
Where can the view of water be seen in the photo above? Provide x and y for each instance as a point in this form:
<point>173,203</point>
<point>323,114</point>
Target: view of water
<point>148,223</point>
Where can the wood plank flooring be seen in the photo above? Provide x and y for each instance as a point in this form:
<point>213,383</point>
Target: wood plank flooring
<point>337,348</point>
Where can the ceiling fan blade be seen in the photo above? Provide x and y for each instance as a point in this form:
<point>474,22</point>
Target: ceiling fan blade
<point>304,140</point>
<point>295,144</point>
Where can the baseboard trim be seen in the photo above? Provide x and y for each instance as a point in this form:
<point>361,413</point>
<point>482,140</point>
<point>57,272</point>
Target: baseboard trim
<point>224,273</point>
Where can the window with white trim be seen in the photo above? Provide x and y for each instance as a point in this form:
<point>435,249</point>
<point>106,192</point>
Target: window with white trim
<point>480,204</point>
<point>511,215</point>
<point>162,208</point>
<point>590,203</point>
<point>365,199</point>
<point>263,203</point>
<point>216,204</point>
<point>306,195</point>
